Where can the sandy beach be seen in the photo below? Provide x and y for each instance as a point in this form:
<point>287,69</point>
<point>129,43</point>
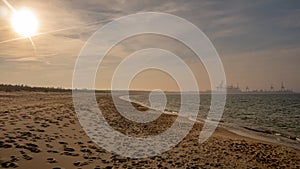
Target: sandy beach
<point>41,130</point>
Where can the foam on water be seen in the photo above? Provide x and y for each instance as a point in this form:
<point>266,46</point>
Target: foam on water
<point>275,114</point>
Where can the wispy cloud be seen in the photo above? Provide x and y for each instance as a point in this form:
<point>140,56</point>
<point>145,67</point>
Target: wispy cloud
<point>242,31</point>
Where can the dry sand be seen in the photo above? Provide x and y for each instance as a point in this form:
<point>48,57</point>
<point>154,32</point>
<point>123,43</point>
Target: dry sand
<point>41,130</point>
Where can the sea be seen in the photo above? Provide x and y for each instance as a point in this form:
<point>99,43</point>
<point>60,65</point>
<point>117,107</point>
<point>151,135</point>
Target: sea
<point>274,114</point>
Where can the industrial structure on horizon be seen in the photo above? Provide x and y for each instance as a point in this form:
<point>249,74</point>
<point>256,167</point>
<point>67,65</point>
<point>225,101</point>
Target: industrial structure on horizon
<point>236,90</point>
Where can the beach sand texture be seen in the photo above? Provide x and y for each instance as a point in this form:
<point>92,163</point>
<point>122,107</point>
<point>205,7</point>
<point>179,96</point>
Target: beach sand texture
<point>41,130</point>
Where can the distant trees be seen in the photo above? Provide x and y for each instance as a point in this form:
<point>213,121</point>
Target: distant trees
<point>14,88</point>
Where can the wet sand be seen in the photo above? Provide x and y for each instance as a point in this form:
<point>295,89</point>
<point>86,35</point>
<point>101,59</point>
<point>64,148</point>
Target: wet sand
<point>41,130</point>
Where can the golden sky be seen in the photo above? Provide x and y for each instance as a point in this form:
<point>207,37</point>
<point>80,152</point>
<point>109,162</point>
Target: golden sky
<point>257,41</point>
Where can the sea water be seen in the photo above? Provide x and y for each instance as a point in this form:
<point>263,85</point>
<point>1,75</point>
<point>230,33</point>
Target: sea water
<point>277,114</point>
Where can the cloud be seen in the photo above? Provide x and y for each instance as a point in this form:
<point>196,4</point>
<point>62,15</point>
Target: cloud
<point>242,31</point>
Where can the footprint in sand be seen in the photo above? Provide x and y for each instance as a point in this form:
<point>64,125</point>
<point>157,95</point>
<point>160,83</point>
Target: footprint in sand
<point>51,160</point>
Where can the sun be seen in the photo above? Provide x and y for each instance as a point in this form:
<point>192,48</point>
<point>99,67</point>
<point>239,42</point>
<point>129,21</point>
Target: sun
<point>24,22</point>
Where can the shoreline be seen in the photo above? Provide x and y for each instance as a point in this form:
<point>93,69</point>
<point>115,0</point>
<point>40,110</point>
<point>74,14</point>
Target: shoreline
<point>41,130</point>
<point>261,135</point>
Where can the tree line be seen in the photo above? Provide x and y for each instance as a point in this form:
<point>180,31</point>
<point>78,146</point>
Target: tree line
<point>21,87</point>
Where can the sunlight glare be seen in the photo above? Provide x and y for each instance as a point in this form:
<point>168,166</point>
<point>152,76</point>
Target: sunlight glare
<point>24,22</point>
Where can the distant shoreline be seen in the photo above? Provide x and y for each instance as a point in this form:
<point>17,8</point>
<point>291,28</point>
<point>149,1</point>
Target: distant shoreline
<point>16,88</point>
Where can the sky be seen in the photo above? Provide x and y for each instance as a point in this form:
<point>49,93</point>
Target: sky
<point>257,41</point>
